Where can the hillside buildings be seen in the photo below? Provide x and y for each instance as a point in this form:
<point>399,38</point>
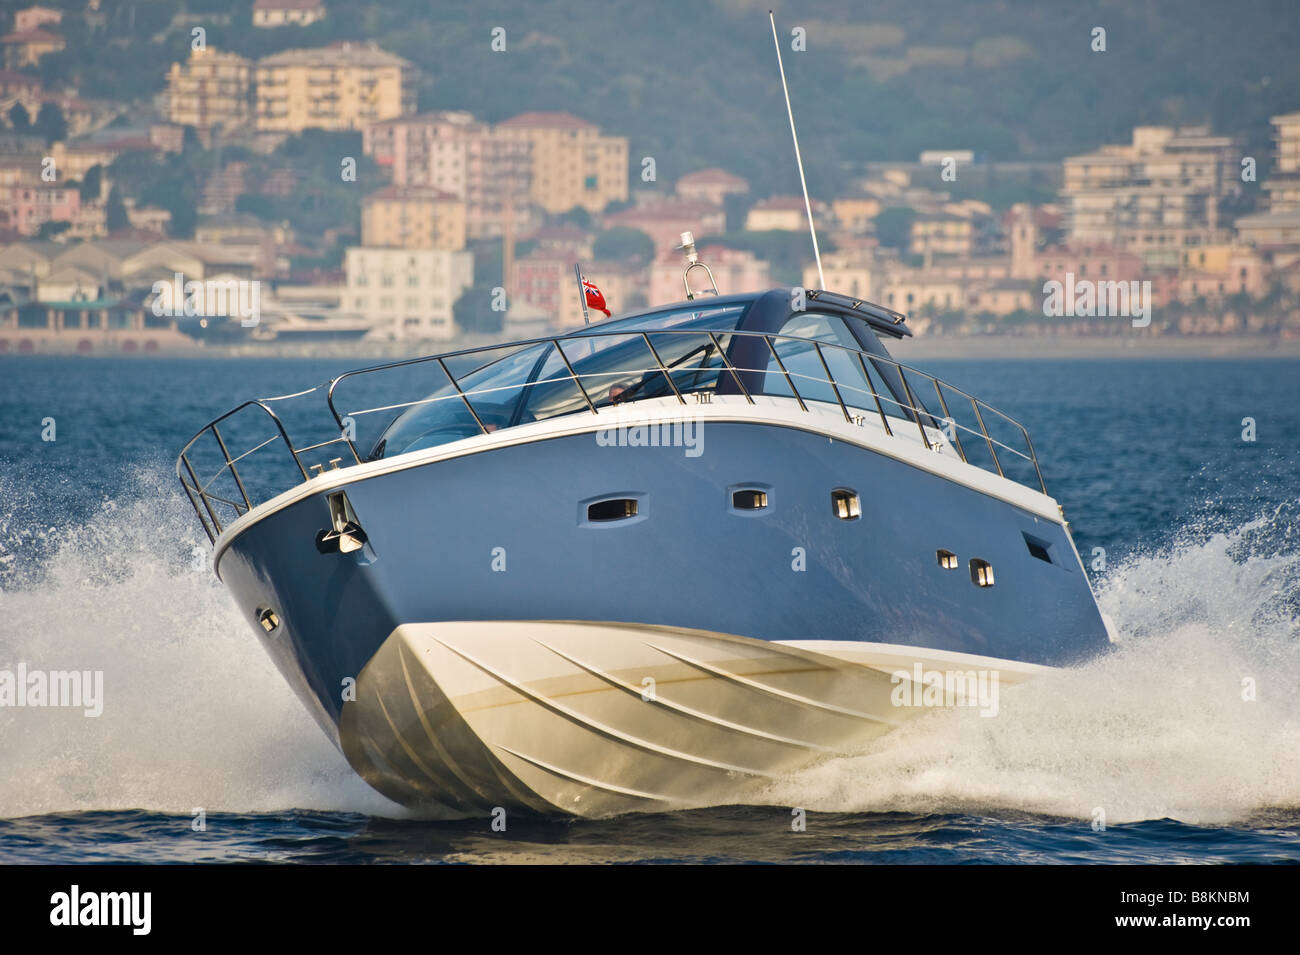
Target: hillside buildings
<point>340,87</point>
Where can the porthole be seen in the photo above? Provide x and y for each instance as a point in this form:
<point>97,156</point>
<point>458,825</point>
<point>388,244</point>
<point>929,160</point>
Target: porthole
<point>749,499</point>
<point>845,504</point>
<point>614,509</point>
<point>981,572</point>
<point>947,559</point>
<point>268,619</point>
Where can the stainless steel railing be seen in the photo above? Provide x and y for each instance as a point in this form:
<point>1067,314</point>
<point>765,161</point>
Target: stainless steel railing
<point>873,387</point>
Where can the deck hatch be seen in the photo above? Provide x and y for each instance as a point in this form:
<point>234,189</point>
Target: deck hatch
<point>1038,548</point>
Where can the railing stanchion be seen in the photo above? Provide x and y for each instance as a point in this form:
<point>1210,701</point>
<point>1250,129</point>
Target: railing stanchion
<point>230,465</point>
<point>831,379</point>
<point>216,522</point>
<point>574,375</point>
<point>870,384</point>
<point>663,369</point>
<point>788,380</point>
<point>911,403</point>
<point>947,416</point>
<point>455,384</point>
<point>726,361</point>
<point>984,428</point>
<point>1033,456</point>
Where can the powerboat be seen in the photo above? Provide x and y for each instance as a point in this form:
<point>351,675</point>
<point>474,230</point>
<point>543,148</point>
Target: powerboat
<point>647,564</point>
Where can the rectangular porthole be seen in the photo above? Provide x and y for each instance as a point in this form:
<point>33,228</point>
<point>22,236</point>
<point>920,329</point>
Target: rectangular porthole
<point>749,499</point>
<point>947,559</point>
<point>981,572</point>
<point>845,504</point>
<point>1038,548</point>
<point>614,509</point>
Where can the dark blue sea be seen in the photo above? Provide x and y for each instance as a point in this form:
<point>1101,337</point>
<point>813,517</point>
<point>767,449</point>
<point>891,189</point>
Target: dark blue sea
<point>1156,753</point>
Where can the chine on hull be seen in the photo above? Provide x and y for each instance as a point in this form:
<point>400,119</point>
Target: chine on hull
<point>595,719</point>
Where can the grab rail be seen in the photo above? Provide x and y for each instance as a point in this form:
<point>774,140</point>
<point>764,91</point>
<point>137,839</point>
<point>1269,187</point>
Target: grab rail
<point>861,401</point>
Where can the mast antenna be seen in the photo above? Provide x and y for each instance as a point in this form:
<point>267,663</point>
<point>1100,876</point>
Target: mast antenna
<point>812,230</point>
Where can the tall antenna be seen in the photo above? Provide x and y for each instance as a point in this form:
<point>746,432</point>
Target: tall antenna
<point>797,158</point>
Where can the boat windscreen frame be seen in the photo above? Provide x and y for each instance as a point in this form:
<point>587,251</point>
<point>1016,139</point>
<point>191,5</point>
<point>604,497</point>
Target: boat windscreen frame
<point>769,314</point>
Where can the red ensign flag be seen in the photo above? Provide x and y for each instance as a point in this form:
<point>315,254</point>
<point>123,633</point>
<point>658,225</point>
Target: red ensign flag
<point>595,299</point>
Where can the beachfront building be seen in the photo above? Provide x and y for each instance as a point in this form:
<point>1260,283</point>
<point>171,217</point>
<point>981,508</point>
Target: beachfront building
<point>408,293</point>
<point>1156,196</point>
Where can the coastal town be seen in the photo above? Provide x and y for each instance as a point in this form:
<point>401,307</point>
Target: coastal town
<point>304,196</point>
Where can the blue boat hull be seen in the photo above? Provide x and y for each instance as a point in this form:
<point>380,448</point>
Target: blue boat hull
<point>502,534</point>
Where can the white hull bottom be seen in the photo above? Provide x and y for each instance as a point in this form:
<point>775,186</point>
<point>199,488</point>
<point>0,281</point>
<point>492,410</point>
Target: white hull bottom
<point>595,719</point>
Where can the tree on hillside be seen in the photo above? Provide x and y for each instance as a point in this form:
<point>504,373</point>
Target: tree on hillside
<point>50,123</point>
<point>115,214</point>
<point>473,311</point>
<point>623,243</point>
<point>577,216</point>
<point>92,183</point>
<point>50,228</point>
<point>894,226</point>
<point>19,118</point>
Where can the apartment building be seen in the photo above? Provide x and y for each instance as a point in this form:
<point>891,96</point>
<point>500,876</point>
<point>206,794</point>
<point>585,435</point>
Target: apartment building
<point>786,213</point>
<point>1283,186</point>
<point>455,153</point>
<point>572,164</point>
<point>664,222</point>
<point>734,270</point>
<point>545,281</point>
<point>211,89</point>
<point>1154,196</point>
<point>344,86</point>
<point>1275,231</point>
<point>407,292</point>
<point>36,17</point>
<point>711,186</point>
<point>413,217</point>
<point>23,207</point>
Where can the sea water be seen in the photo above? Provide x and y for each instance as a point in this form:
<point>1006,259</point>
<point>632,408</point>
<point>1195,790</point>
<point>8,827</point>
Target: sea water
<point>1182,745</point>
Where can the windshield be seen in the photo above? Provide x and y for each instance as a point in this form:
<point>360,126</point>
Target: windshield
<point>532,383</point>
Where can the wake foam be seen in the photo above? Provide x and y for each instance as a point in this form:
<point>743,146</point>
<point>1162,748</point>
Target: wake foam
<point>195,714</point>
<point>1157,729</point>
